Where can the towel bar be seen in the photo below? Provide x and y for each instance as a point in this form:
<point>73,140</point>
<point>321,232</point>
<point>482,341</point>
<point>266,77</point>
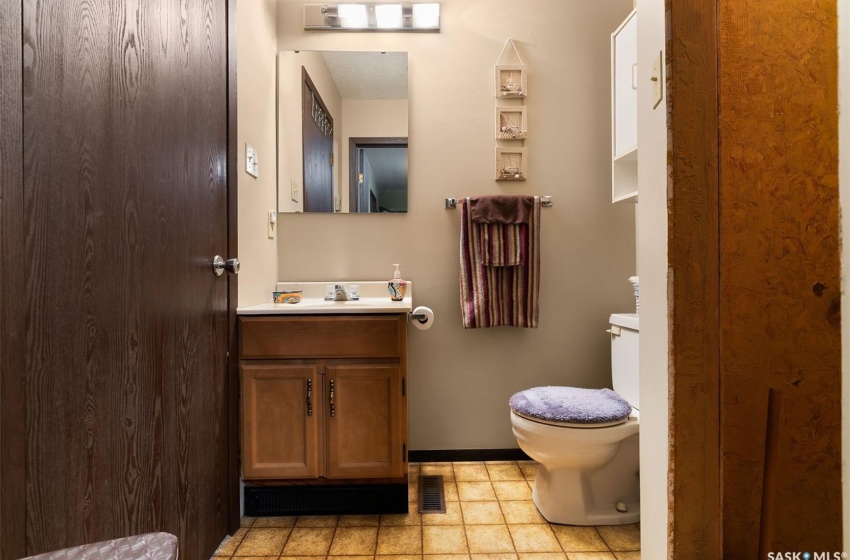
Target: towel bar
<point>545,200</point>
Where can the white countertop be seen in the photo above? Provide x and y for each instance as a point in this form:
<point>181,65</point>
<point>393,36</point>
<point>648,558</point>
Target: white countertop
<point>374,298</point>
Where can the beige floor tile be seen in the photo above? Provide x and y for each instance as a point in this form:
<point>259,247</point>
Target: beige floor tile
<point>621,537</point>
<point>275,522</point>
<point>263,542</point>
<point>301,558</point>
<point>534,538</point>
<point>512,490</point>
<point>257,557</point>
<point>247,521</point>
<point>446,557</point>
<point>317,521</point>
<point>633,555</point>
<point>489,538</point>
<point>444,540</point>
<point>542,556</point>
<point>521,512</point>
<point>230,543</point>
<point>400,540</point>
<point>450,489</point>
<point>413,471</point>
<point>396,519</point>
<point>590,556</point>
<point>529,469</point>
<point>350,557</point>
<point>412,492</point>
<point>482,513</point>
<point>579,539</point>
<point>451,517</point>
<point>309,541</point>
<point>503,556</point>
<point>354,540</point>
<point>359,520</point>
<point>433,469</point>
<point>475,491</point>
<point>504,471</point>
<point>399,557</point>
<point>471,472</point>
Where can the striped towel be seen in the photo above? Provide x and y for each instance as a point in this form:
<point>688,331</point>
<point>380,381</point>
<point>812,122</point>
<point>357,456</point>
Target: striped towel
<point>503,292</point>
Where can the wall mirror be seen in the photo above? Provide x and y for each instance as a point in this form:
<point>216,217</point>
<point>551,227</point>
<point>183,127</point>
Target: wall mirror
<point>342,132</point>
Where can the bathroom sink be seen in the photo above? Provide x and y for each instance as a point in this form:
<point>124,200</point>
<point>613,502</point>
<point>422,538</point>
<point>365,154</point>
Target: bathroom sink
<point>374,298</point>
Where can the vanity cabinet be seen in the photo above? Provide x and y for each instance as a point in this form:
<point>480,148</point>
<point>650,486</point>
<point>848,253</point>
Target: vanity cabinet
<point>324,398</point>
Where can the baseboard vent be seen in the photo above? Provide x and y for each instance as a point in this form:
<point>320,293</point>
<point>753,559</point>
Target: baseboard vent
<point>432,496</point>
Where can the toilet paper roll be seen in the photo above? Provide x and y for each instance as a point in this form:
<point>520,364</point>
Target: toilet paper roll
<point>423,324</point>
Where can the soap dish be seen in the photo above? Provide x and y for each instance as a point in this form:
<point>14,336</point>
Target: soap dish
<point>289,296</point>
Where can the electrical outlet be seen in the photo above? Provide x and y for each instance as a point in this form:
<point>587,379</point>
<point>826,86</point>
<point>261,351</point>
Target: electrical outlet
<point>252,166</point>
<point>272,224</point>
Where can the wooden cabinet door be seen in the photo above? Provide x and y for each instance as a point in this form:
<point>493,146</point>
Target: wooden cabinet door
<point>365,430</point>
<point>281,417</point>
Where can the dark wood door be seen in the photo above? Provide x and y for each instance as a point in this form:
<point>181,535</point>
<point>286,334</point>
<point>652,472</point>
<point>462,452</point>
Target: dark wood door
<point>317,142</point>
<point>281,416</point>
<point>122,328</point>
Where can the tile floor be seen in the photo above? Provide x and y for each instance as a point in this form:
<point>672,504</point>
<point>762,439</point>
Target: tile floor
<point>489,516</point>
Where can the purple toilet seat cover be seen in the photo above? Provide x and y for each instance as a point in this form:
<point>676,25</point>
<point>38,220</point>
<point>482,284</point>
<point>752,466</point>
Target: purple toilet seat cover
<point>571,405</point>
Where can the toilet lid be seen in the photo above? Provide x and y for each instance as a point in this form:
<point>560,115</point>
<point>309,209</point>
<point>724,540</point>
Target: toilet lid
<point>571,405</point>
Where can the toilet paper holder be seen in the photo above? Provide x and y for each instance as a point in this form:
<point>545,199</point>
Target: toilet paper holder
<point>421,317</point>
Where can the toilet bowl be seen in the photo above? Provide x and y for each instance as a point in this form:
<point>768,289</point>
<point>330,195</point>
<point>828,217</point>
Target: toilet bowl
<point>588,459</point>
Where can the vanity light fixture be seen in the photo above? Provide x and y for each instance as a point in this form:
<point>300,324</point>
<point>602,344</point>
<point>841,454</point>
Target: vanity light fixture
<point>372,17</point>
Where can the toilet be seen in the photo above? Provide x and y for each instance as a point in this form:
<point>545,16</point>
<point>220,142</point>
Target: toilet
<point>586,440</point>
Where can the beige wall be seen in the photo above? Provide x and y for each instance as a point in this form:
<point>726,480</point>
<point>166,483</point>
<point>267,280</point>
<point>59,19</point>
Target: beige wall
<point>256,51</point>
<point>652,262</point>
<point>460,380</point>
<point>290,154</point>
<point>365,118</point>
<point>844,188</point>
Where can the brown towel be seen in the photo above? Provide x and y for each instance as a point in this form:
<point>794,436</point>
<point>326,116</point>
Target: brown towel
<point>493,296</point>
<point>501,209</point>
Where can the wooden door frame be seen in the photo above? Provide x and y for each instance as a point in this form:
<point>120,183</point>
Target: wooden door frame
<point>374,142</point>
<point>695,515</point>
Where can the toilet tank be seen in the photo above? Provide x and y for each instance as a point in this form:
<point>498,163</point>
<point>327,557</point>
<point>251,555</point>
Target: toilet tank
<point>624,356</point>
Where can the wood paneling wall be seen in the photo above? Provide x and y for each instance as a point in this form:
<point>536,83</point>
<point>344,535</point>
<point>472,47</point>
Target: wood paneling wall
<point>754,264</point>
<point>114,331</point>
<point>780,283</point>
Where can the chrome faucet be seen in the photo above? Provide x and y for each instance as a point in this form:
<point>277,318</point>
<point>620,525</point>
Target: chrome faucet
<point>341,292</point>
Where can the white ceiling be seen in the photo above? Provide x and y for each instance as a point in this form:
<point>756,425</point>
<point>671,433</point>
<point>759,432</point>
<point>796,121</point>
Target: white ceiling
<point>369,75</point>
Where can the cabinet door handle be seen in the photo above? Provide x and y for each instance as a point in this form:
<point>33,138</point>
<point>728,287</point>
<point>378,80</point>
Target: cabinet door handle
<point>333,408</point>
<point>309,397</point>
<point>634,76</point>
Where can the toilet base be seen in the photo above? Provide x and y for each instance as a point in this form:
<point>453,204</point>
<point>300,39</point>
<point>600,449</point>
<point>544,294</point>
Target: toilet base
<point>575,497</point>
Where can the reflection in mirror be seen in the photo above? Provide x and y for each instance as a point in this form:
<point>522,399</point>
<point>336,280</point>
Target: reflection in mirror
<point>342,132</point>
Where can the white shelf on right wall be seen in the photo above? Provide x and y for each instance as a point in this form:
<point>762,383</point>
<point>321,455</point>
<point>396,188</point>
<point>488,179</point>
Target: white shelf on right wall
<point>624,161</point>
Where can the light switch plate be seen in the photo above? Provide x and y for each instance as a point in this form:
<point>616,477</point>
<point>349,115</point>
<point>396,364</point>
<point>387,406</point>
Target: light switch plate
<point>657,79</point>
<point>272,221</point>
<point>295,191</point>
<point>252,166</point>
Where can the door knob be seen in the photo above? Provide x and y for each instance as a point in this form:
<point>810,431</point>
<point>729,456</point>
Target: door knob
<point>220,265</point>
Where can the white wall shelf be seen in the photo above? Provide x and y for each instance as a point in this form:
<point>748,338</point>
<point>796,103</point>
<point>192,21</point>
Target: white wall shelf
<point>624,159</point>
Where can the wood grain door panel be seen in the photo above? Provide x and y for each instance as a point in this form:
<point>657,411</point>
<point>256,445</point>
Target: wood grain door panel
<point>281,421</point>
<point>365,430</point>
<point>317,149</point>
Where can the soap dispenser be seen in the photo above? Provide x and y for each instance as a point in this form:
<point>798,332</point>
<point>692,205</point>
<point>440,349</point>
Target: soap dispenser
<point>397,286</point>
